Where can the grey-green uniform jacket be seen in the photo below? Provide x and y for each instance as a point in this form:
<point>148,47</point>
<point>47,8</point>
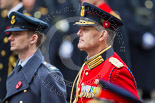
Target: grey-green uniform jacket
<point>36,82</point>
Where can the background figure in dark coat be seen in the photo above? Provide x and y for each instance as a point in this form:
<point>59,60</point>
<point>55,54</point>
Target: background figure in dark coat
<point>63,51</point>
<point>33,80</point>
<point>7,58</point>
<point>35,8</point>
<point>139,17</point>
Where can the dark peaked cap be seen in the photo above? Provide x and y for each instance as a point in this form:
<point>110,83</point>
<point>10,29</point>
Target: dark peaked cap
<point>120,91</point>
<point>92,15</point>
<point>21,22</point>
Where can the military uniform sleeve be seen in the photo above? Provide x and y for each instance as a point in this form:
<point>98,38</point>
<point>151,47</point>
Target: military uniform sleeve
<point>53,88</point>
<point>123,77</point>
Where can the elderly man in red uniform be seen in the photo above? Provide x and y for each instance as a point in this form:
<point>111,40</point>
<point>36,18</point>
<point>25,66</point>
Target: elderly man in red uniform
<point>97,32</point>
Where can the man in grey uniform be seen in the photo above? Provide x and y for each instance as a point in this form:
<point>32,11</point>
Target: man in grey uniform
<point>33,80</point>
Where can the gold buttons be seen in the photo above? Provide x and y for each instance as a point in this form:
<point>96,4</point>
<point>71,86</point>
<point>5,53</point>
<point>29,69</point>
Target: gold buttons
<point>27,14</point>
<point>148,4</point>
<point>20,101</point>
<point>78,89</point>
<point>52,67</point>
<point>4,13</point>
<point>6,101</point>
<point>3,53</point>
<point>25,91</point>
<point>96,81</point>
<point>87,73</point>
<point>5,40</point>
<point>45,63</point>
<point>37,14</point>
<point>1,66</point>
<point>44,11</point>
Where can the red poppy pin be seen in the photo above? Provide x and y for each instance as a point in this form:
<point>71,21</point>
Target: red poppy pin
<point>106,24</point>
<point>8,27</point>
<point>18,85</point>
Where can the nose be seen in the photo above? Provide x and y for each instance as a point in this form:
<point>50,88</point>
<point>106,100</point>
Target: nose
<point>10,37</point>
<point>79,33</point>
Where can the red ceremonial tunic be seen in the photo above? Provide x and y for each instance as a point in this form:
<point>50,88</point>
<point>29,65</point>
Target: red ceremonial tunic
<point>107,66</point>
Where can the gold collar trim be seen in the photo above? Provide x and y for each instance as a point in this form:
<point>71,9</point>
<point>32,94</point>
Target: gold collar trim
<point>96,60</point>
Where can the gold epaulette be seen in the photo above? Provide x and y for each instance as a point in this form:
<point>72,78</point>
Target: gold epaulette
<point>116,62</point>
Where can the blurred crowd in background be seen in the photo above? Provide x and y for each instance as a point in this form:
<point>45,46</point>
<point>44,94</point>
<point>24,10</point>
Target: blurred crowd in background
<point>134,42</point>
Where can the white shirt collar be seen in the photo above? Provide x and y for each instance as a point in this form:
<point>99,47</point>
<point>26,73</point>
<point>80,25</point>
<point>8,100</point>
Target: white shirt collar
<point>24,62</point>
<point>98,53</point>
<point>16,8</point>
<point>91,57</point>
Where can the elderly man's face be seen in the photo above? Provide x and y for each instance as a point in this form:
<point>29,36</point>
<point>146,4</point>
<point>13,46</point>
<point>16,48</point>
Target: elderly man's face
<point>89,38</point>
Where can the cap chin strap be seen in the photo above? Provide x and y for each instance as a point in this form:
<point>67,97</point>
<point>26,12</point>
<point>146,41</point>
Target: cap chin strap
<point>84,22</point>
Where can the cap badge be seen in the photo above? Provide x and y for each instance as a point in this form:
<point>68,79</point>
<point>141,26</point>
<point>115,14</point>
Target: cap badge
<point>106,24</point>
<point>13,19</point>
<point>82,11</point>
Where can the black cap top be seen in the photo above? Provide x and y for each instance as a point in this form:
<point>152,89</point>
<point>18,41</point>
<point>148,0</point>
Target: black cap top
<point>21,22</point>
<point>92,15</point>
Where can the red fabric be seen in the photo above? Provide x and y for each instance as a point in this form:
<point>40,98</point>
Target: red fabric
<point>105,7</point>
<point>120,76</point>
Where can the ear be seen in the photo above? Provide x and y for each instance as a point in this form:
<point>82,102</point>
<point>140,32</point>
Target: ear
<point>34,38</point>
<point>103,35</point>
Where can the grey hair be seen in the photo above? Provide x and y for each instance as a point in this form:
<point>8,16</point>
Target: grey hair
<point>111,34</point>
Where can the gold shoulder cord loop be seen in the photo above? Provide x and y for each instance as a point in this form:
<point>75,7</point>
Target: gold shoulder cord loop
<point>78,75</point>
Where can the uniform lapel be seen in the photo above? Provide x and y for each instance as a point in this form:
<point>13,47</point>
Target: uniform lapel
<point>24,76</point>
<point>32,66</point>
<point>12,83</point>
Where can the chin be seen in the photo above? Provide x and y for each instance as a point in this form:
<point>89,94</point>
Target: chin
<point>12,49</point>
<point>82,49</point>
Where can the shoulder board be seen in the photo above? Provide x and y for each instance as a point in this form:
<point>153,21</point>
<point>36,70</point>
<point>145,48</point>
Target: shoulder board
<point>116,62</point>
<point>49,66</point>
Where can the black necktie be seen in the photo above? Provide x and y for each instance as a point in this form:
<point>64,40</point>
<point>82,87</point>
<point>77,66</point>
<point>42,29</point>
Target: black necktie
<point>18,68</point>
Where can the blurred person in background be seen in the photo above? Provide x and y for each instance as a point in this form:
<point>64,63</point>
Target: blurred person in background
<point>139,17</point>
<point>35,8</point>
<point>7,58</point>
<point>29,4</point>
<point>63,51</point>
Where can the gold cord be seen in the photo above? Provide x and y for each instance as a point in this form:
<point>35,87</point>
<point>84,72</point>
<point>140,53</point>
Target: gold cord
<point>78,75</point>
